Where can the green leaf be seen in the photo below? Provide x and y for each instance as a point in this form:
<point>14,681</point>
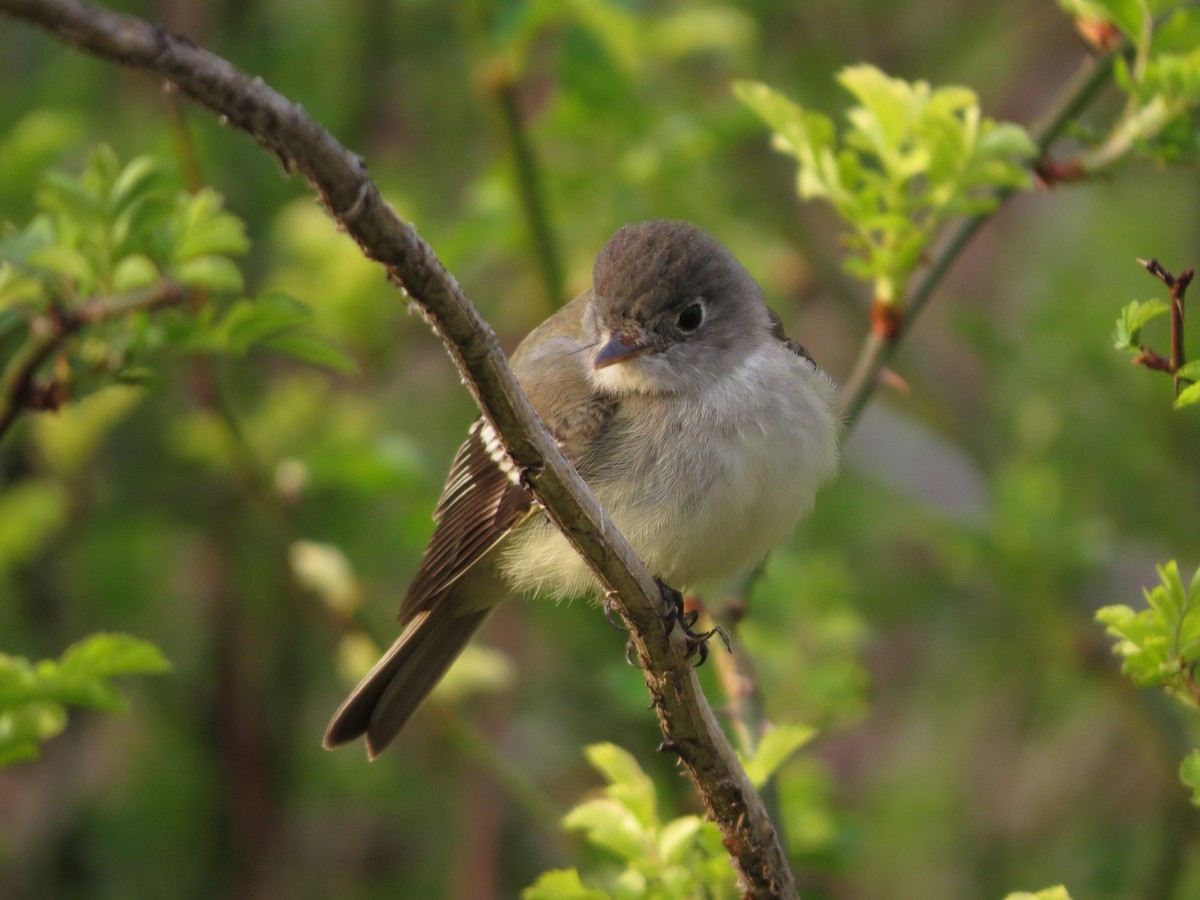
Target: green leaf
<point>32,510</point>
<point>24,727</point>
<point>700,30</point>
<point>210,273</point>
<point>776,747</point>
<point>562,884</point>
<point>64,261</point>
<point>632,884</point>
<point>611,824</point>
<point>34,142</point>
<point>17,288</point>
<point>249,322</point>
<point>134,183</point>
<point>628,784</point>
<point>617,29</point>
<point>205,228</point>
<point>82,673</point>
<point>808,136</point>
<point>1134,317</point>
<point>69,196</point>
<point>106,655</point>
<point>1058,892</point>
<point>134,271</point>
<point>911,157</point>
<point>1191,393</point>
<point>677,837</point>
<point>32,697</point>
<point>312,349</point>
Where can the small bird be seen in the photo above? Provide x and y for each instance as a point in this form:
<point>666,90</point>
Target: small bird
<point>700,427</point>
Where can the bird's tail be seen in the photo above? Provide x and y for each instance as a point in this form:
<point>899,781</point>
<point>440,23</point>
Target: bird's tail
<point>391,692</point>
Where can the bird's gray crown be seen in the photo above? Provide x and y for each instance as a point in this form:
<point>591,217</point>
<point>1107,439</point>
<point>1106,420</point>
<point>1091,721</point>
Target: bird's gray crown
<point>651,266</point>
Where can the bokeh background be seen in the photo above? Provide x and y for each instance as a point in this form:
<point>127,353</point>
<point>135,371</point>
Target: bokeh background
<point>933,617</point>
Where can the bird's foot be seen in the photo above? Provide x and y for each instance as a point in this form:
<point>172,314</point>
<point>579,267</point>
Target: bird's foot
<point>696,643</point>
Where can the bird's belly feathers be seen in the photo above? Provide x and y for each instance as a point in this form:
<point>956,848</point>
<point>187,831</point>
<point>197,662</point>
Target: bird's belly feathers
<point>707,489</point>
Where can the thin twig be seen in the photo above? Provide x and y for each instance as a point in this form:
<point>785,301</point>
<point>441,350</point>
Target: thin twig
<point>689,727</point>
<point>1177,286</point>
<point>19,389</point>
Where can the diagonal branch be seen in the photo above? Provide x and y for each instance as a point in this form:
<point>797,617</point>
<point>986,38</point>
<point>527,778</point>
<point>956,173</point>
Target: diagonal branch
<point>340,178</point>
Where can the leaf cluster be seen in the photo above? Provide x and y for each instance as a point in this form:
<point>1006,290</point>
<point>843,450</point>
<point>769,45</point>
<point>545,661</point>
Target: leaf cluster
<point>1161,80</point>
<point>910,157</point>
<point>34,696</point>
<point>627,37</point>
<point>1160,645</point>
<point>682,857</point>
<point>113,229</point>
<point>1058,892</point>
<point>95,250</point>
<point>660,860</point>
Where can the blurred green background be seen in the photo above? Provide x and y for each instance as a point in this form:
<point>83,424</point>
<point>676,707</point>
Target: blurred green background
<point>933,617</point>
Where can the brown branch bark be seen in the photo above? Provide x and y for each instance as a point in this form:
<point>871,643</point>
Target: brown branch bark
<point>340,178</point>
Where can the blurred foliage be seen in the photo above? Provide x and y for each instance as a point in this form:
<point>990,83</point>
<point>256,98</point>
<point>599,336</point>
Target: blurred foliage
<point>1161,644</point>
<point>660,860</point>
<point>88,263</point>
<point>33,697</point>
<point>257,518</point>
<point>1161,81</point>
<point>1058,892</point>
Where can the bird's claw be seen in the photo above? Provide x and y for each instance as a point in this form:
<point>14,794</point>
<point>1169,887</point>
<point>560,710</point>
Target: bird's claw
<point>631,654</point>
<point>696,643</point>
<point>610,613</point>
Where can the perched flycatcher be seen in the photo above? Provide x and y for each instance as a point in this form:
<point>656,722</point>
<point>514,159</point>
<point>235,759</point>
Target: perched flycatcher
<point>671,387</point>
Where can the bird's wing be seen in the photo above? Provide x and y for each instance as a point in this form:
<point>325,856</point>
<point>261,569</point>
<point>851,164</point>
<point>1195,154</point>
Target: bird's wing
<point>781,336</point>
<point>482,501</point>
<point>484,498</point>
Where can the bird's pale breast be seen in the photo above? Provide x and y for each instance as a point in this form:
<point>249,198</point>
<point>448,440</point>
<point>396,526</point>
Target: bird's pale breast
<point>705,485</point>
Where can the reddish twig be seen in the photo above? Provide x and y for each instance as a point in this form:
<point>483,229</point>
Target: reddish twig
<point>1177,285</point>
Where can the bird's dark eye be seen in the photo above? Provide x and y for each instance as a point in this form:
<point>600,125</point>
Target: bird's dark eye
<point>691,317</point>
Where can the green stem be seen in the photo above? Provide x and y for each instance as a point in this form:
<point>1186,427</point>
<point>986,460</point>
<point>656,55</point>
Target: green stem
<point>529,189</point>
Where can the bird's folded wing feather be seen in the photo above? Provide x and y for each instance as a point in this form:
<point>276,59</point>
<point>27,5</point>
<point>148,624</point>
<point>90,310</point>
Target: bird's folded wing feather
<point>484,499</point>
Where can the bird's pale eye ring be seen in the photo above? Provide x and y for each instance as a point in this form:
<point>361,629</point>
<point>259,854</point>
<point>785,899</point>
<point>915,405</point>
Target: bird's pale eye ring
<point>691,316</point>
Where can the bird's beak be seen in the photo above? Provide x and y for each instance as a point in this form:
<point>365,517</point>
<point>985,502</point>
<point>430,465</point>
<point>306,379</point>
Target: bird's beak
<point>619,348</point>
